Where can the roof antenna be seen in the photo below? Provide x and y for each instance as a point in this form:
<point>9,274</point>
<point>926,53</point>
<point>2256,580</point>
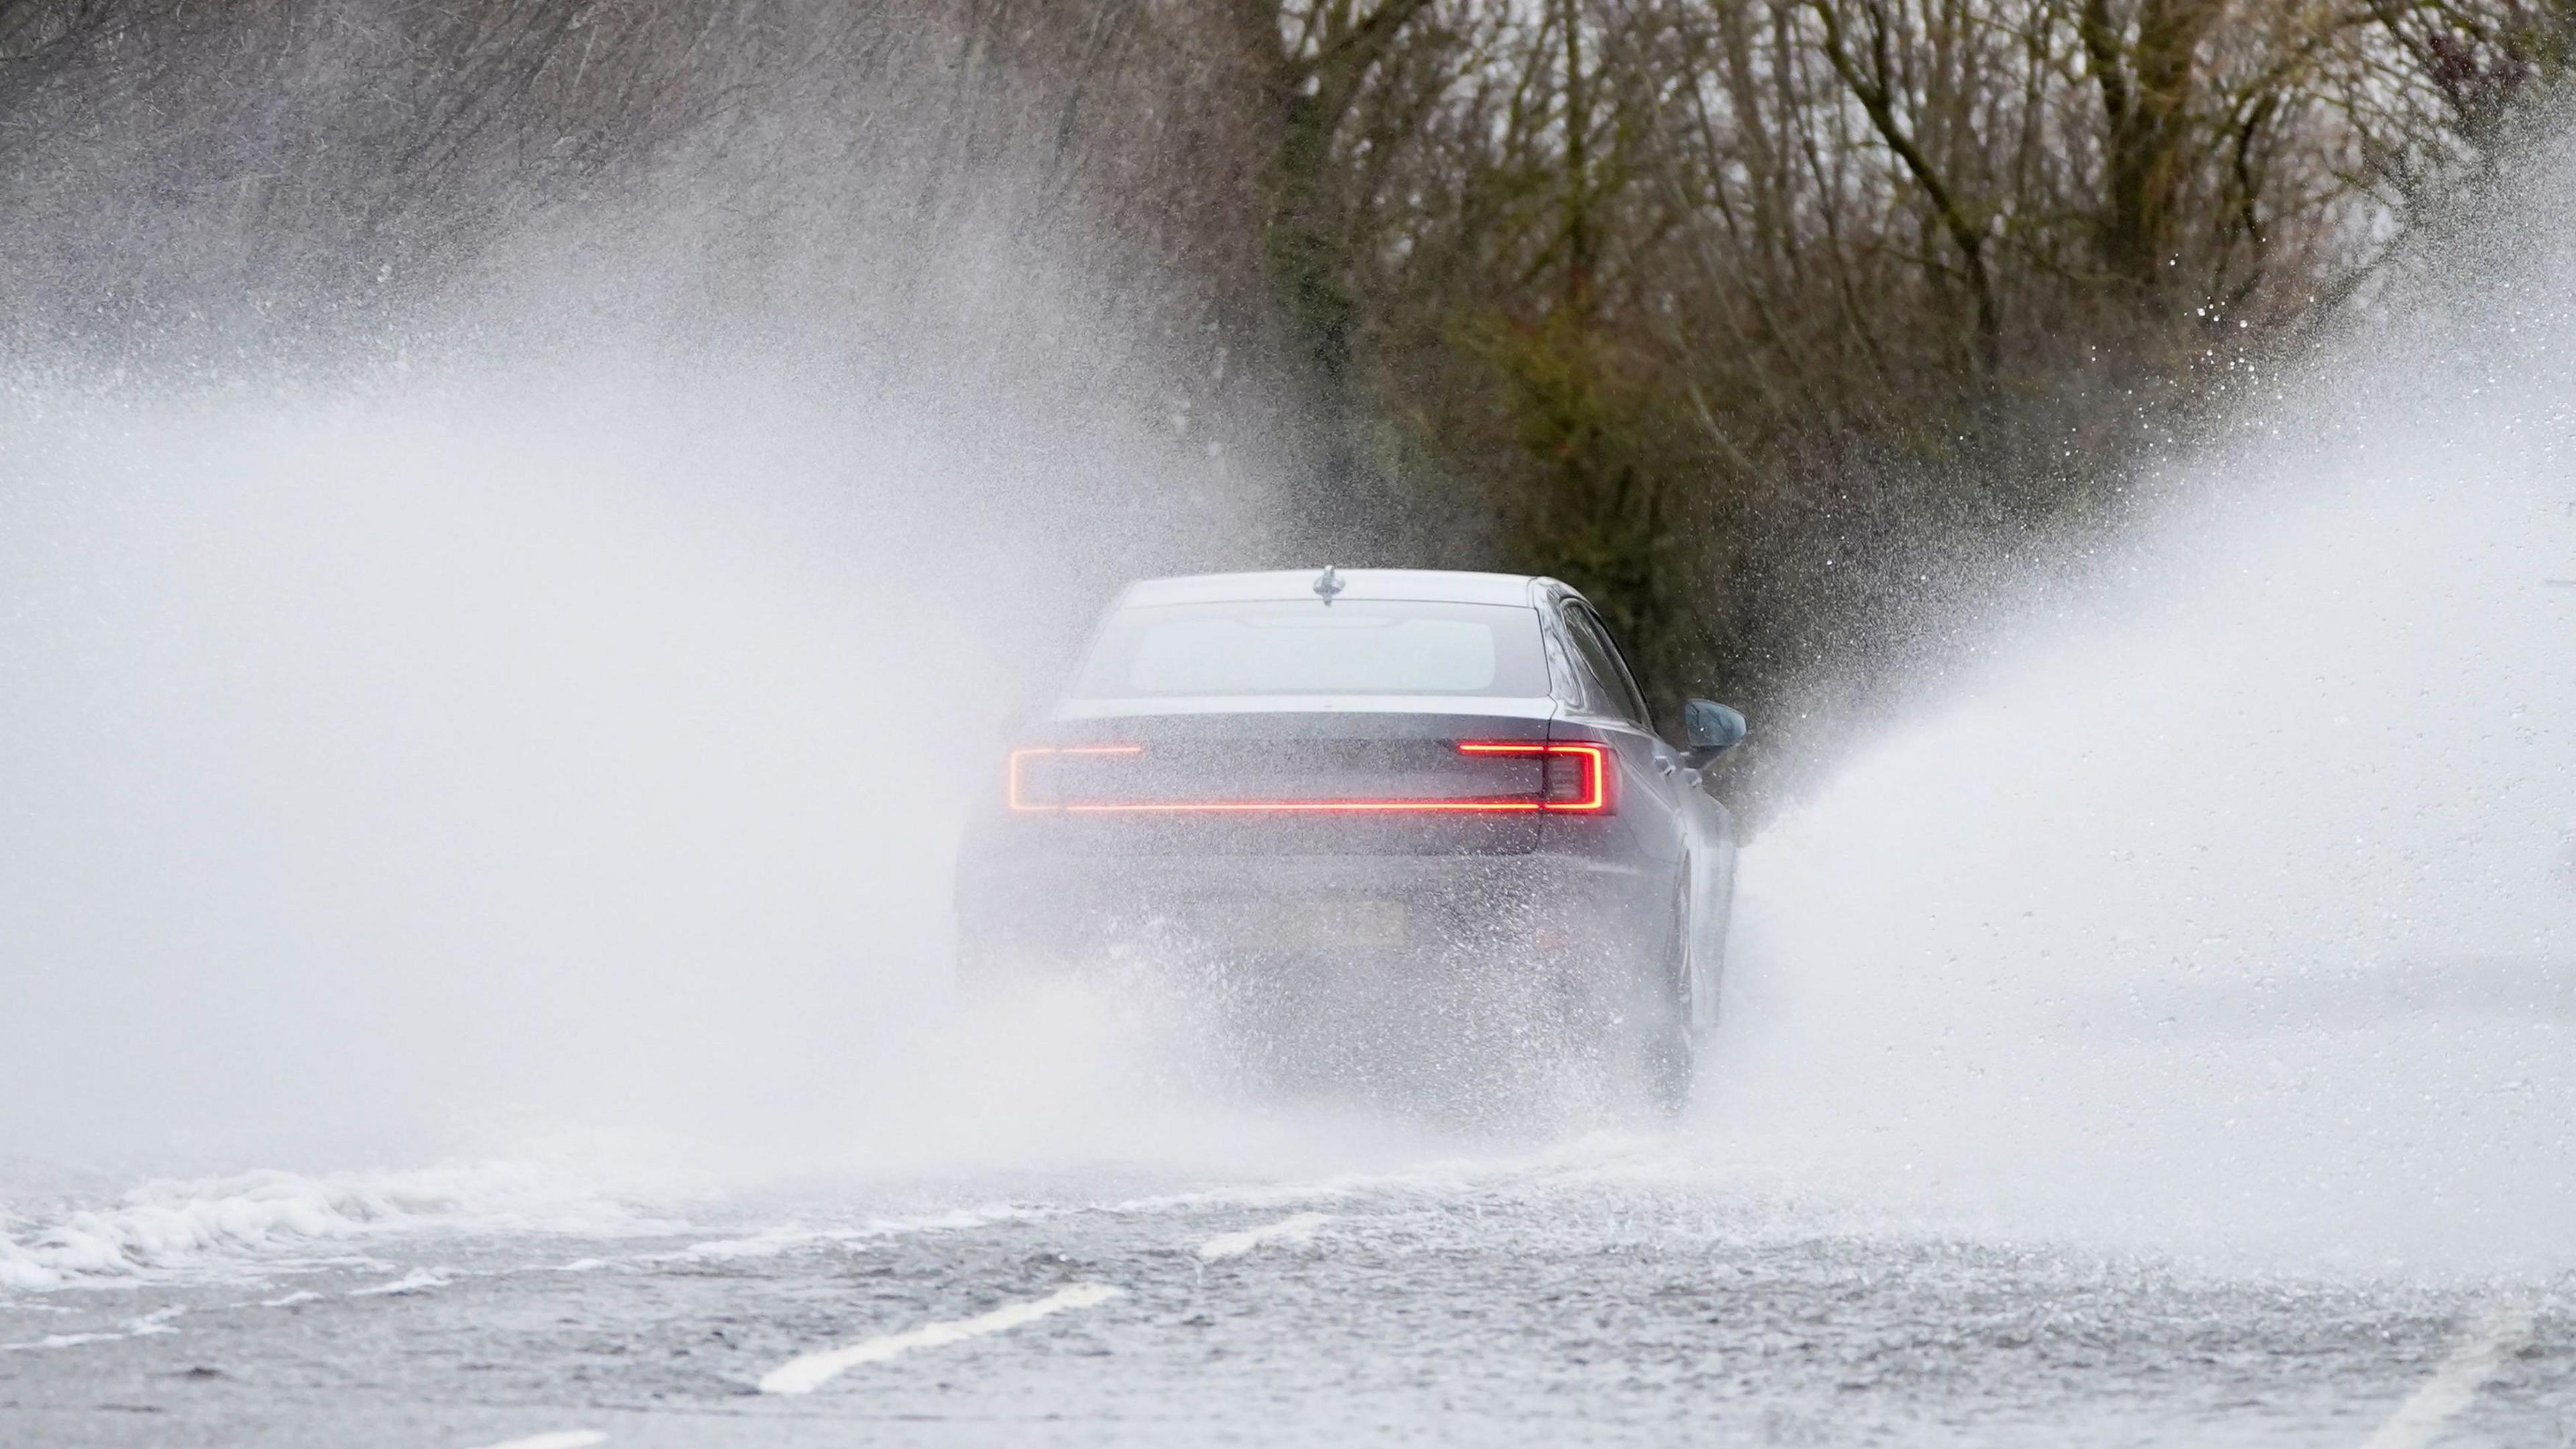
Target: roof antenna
<point>1327,584</point>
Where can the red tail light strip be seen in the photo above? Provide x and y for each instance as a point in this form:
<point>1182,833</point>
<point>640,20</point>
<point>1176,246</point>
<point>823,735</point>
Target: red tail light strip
<point>1020,759</point>
<point>1591,795</point>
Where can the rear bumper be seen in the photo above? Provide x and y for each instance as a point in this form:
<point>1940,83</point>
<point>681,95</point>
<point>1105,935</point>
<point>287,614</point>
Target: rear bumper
<point>1362,907</point>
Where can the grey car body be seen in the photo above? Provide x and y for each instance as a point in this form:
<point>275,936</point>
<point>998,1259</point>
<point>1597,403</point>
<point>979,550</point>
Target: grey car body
<point>1375,830</point>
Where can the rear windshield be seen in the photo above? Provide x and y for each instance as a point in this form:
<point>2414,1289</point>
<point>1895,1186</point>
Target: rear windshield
<point>1350,647</point>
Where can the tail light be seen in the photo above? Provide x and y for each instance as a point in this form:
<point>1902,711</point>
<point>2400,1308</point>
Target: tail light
<point>1024,794</point>
<point>1574,777</point>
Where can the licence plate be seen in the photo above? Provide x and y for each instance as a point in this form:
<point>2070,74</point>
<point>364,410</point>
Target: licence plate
<point>1324,923</point>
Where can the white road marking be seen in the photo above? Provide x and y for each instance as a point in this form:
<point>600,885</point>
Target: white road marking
<point>419,1280</point>
<point>560,1439</point>
<point>1298,1229</point>
<point>807,1372</point>
<point>2472,1361</point>
<point>157,1321</point>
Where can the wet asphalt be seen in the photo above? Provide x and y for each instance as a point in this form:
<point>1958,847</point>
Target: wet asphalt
<point>1522,1306</point>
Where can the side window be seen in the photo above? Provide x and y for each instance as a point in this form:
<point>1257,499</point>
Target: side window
<point>1601,660</point>
<point>1588,667</point>
<point>1636,694</point>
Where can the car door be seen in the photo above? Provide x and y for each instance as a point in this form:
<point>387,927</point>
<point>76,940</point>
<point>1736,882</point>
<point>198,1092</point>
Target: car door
<point>1702,829</point>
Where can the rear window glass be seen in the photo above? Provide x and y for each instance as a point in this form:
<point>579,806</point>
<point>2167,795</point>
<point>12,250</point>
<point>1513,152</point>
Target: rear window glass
<point>1349,647</point>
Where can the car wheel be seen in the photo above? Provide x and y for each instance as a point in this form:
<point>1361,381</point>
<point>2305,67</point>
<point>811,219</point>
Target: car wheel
<point>1665,1042</point>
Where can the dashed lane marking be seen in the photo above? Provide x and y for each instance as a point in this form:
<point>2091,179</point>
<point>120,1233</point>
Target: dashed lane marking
<point>559,1439</point>
<point>418,1280</point>
<point>1298,1229</point>
<point>155,1322</point>
<point>2472,1361</point>
<point>807,1372</point>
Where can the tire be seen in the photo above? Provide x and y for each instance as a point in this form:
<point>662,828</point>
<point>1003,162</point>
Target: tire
<point>1666,1043</point>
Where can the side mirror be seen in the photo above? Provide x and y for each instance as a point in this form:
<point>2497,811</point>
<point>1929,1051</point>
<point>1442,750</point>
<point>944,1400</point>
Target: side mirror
<point>1710,729</point>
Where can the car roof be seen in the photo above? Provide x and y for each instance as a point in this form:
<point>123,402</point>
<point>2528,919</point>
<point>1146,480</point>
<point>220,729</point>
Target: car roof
<point>1430,586</point>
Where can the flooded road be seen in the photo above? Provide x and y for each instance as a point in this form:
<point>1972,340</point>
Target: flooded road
<point>1612,1290</point>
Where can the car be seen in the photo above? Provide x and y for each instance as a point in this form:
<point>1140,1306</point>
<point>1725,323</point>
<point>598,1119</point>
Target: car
<point>1370,789</point>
